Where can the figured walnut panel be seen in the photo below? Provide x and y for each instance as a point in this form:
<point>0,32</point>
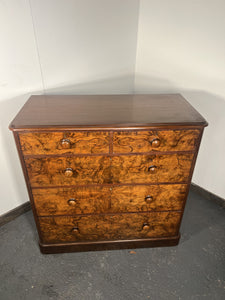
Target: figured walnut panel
<point>135,168</point>
<point>133,198</point>
<point>102,169</point>
<point>85,200</point>
<point>109,227</point>
<point>51,171</point>
<point>51,142</point>
<point>140,141</point>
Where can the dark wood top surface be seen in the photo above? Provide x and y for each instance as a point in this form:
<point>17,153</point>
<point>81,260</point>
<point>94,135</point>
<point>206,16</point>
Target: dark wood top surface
<point>106,111</point>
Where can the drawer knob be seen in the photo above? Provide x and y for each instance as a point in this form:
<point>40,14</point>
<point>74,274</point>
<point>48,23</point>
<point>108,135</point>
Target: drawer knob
<point>152,169</point>
<point>72,202</point>
<point>75,230</point>
<point>145,226</point>
<point>68,172</point>
<point>148,199</point>
<point>155,143</point>
<point>65,143</point>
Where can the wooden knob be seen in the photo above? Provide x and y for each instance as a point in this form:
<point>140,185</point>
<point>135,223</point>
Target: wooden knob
<point>68,172</point>
<point>155,143</point>
<point>145,226</point>
<point>152,169</point>
<point>65,143</point>
<point>75,230</point>
<point>72,202</point>
<point>148,199</point>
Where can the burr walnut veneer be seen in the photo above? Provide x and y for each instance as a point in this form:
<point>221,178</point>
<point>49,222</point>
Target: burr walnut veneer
<point>109,171</point>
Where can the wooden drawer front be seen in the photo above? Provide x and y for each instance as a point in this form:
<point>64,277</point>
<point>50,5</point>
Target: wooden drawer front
<point>139,168</point>
<point>64,142</point>
<point>146,141</point>
<point>147,198</point>
<point>68,170</point>
<point>64,171</point>
<point>87,200</point>
<point>70,201</point>
<point>109,227</point>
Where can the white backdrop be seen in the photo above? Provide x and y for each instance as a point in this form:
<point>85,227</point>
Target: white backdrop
<point>105,46</point>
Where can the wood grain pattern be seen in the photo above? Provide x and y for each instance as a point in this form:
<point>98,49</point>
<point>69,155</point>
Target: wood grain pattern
<point>135,168</point>
<point>87,200</point>
<point>132,198</point>
<point>140,141</point>
<point>103,169</point>
<point>108,227</point>
<point>38,143</point>
<point>113,199</point>
<point>51,171</point>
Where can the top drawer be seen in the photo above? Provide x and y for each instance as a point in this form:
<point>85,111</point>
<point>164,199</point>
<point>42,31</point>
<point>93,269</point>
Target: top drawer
<point>37,143</point>
<point>147,141</point>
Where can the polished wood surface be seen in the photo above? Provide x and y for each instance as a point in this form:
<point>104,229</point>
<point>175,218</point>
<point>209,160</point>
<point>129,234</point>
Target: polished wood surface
<point>106,111</point>
<point>39,143</point>
<point>151,168</point>
<point>62,171</point>
<point>53,171</point>
<point>108,227</point>
<point>146,141</point>
<point>113,199</point>
<point>70,201</point>
<point>148,197</point>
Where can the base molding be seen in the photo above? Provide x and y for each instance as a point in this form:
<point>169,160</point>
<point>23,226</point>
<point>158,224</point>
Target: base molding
<point>109,245</point>
<point>207,195</point>
<point>14,213</point>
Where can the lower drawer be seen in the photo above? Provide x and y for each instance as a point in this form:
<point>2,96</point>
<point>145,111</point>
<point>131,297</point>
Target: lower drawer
<point>95,199</point>
<point>109,227</point>
<point>70,201</point>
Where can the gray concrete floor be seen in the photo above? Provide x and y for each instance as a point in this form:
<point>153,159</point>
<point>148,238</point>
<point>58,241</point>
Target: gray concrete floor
<point>195,269</point>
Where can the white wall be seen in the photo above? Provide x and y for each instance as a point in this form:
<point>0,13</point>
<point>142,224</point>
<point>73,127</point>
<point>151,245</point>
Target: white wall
<point>86,46</point>
<point>19,77</point>
<point>181,48</point>
<point>63,47</point>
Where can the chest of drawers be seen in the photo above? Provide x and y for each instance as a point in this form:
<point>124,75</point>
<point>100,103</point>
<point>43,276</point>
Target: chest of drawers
<point>107,172</point>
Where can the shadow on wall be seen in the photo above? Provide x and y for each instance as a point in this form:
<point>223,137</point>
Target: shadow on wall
<point>209,172</point>
<point>122,84</point>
